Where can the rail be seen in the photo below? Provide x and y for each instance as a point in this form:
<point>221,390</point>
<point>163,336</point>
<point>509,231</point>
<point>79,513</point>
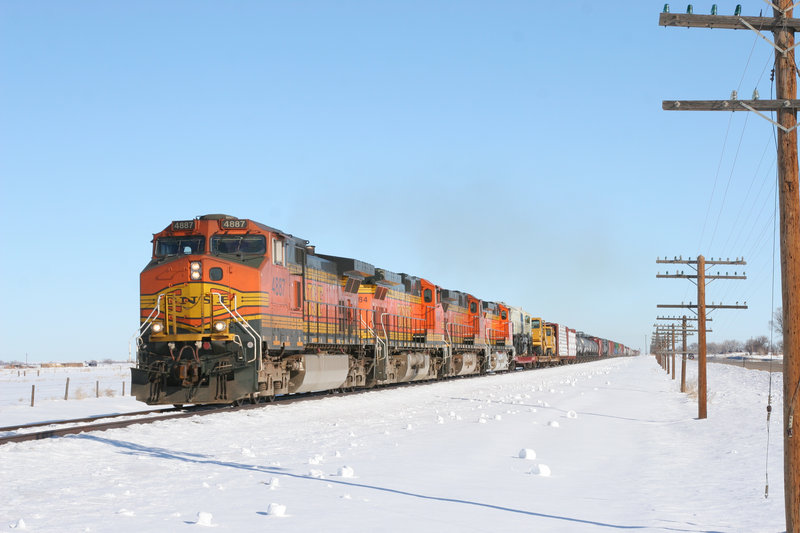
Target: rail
<point>461,333</point>
<point>381,353</point>
<point>496,335</point>
<point>144,327</point>
<point>342,324</point>
<point>247,328</point>
<point>335,324</point>
<point>406,328</point>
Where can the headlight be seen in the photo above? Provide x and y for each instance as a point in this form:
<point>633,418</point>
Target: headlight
<point>220,326</point>
<point>157,327</point>
<point>196,270</point>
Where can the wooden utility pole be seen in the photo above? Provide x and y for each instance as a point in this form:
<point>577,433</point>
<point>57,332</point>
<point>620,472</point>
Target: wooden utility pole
<point>702,378</point>
<point>683,362</point>
<point>684,333</point>
<point>701,277</point>
<point>667,333</point>
<point>673,352</point>
<point>786,87</point>
<point>783,26</point>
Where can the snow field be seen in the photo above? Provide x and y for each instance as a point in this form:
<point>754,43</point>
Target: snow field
<point>620,455</point>
<point>51,383</point>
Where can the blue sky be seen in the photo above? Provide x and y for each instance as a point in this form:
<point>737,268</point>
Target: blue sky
<point>514,150</point>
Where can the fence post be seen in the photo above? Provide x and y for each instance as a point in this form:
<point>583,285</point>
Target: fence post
<point>97,390</point>
<point>66,390</point>
<point>33,393</point>
<point>123,388</point>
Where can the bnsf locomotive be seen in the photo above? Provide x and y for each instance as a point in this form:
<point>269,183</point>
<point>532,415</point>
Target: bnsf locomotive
<point>234,310</point>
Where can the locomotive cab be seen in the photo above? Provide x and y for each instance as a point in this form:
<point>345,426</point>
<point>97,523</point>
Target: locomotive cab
<point>193,343</point>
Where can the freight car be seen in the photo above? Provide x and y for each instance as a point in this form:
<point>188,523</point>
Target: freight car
<point>234,310</point>
<point>539,343</point>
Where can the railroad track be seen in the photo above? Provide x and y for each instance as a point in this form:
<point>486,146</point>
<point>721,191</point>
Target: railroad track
<point>83,425</point>
<point>84,420</point>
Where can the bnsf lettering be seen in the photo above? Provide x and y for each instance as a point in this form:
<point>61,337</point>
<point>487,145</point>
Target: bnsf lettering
<point>191,301</point>
<point>314,292</point>
<point>278,286</point>
<point>233,224</point>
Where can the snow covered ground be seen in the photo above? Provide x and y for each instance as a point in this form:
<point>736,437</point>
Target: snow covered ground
<point>609,445</point>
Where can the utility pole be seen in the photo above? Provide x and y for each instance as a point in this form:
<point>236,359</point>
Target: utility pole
<point>667,333</point>
<point>683,360</point>
<point>673,352</point>
<point>684,319</point>
<point>701,277</point>
<point>783,27</point>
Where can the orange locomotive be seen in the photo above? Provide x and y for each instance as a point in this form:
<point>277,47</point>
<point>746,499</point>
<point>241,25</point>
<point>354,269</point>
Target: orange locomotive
<point>232,310</point>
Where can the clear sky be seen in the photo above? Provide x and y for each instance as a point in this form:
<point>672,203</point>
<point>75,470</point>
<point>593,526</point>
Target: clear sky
<point>515,150</point>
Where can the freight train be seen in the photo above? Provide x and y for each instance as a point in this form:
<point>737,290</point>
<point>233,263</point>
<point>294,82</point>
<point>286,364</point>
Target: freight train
<point>232,310</point>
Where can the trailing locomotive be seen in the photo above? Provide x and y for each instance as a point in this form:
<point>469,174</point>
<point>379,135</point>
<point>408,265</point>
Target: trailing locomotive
<point>232,309</point>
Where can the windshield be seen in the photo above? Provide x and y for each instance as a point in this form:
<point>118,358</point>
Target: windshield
<point>238,244</point>
<point>535,324</point>
<point>189,244</point>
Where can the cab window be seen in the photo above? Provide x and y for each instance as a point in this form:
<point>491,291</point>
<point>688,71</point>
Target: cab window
<point>238,244</point>
<point>277,252</point>
<point>427,295</point>
<point>473,307</point>
<point>186,245</point>
<point>535,324</point>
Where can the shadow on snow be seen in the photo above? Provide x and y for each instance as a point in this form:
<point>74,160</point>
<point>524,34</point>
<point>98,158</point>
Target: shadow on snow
<point>163,453</point>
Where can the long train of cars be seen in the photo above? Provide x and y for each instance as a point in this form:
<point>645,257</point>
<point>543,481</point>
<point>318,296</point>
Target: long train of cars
<point>234,310</point>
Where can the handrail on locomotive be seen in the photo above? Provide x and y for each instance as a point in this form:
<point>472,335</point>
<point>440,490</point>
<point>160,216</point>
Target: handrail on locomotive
<point>246,327</point>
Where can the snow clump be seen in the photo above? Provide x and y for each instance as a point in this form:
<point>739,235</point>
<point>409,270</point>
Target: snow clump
<point>19,524</point>
<point>274,483</point>
<point>276,509</point>
<point>527,453</point>
<point>346,471</point>
<point>572,414</point>
<point>553,424</point>
<point>541,470</point>
<point>204,519</point>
